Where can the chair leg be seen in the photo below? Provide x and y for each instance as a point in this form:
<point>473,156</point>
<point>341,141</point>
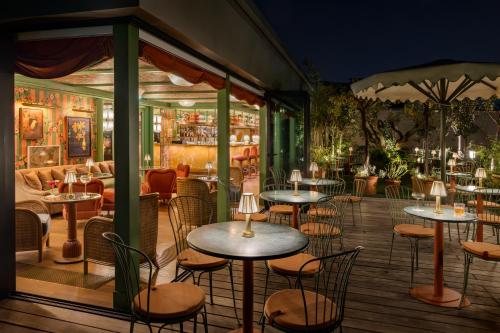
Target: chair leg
<point>181,327</point>
<point>467,262</point>
<point>195,323</point>
<point>205,319</point>
<point>85,267</point>
<point>211,288</point>
<point>392,245</point>
<point>449,231</point>
<point>352,214</point>
<point>412,260</point>
<point>262,319</point>
<point>498,236</point>
<point>234,293</point>
<point>416,253</point>
<point>458,232</point>
<point>47,242</point>
<point>360,213</point>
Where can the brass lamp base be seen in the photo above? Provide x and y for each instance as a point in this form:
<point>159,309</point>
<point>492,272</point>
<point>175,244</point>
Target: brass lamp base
<point>248,233</point>
<point>438,209</point>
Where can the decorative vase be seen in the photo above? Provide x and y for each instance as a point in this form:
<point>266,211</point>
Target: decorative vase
<point>371,184</point>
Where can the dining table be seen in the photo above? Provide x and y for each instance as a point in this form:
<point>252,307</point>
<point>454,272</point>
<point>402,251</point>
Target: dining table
<point>436,293</point>
<point>72,247</point>
<point>226,240</point>
<point>479,192</point>
<point>289,197</point>
<point>455,175</point>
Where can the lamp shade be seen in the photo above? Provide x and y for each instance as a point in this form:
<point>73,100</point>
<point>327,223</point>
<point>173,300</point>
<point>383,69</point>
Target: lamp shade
<point>480,173</point>
<point>313,167</point>
<point>433,152</point>
<point>89,163</point>
<point>296,176</point>
<point>452,162</point>
<point>472,154</point>
<point>246,138</point>
<point>248,205</point>
<point>208,165</point>
<point>232,138</point>
<point>438,188</point>
<point>147,158</point>
<point>70,177</point>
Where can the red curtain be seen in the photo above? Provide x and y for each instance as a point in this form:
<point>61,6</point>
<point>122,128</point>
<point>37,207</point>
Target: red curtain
<point>172,64</point>
<point>245,95</point>
<point>49,59</point>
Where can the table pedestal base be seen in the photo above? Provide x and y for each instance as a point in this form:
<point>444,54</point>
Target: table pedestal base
<point>240,330</point>
<point>62,260</point>
<point>449,299</point>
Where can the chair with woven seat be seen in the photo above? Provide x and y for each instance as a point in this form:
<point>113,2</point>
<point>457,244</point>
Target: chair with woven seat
<point>192,187</point>
<point>97,250</point>
<point>237,180</point>
<point>160,181</point>
<point>187,213</point>
<point>87,209</point>
<point>278,175</point>
<point>333,190</point>
<point>279,212</point>
<point>32,226</point>
<point>318,308</point>
<point>358,191</point>
<point>489,212</point>
<point>169,303</point>
<point>404,225</point>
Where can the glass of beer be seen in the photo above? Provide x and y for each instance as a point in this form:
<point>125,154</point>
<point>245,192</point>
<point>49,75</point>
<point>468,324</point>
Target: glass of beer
<point>459,209</point>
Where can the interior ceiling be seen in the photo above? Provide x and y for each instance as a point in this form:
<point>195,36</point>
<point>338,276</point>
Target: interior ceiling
<point>154,84</point>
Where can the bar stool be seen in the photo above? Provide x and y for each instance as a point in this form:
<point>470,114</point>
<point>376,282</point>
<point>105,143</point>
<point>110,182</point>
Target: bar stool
<point>242,158</point>
<point>253,159</point>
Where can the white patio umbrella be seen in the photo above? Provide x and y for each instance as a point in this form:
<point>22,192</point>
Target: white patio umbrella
<point>442,82</point>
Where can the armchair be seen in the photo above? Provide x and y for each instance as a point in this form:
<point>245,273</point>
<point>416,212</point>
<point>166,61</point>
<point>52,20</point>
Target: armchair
<point>161,181</point>
<point>32,226</point>
<point>197,188</point>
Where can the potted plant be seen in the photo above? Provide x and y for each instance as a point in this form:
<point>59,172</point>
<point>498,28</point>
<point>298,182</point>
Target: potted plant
<point>396,169</point>
<point>368,172</point>
<point>426,181</point>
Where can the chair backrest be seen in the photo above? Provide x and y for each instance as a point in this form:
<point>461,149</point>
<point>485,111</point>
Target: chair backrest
<point>161,180</point>
<point>187,213</point>
<point>28,230</point>
<point>94,186</point>
<point>126,259</point>
<point>325,303</point>
<point>237,176</point>
<point>467,166</point>
<point>338,188</point>
<point>399,197</point>
<point>148,211</point>
<point>254,151</point>
<point>182,170</point>
<point>358,187</point>
<point>489,211</point>
<point>279,175</point>
<point>327,226</point>
<point>246,152</point>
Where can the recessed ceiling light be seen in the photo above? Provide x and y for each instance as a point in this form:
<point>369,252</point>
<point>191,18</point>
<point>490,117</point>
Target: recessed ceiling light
<point>186,103</point>
<point>179,81</point>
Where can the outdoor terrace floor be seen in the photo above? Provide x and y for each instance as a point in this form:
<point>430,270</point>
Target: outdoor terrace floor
<point>377,300</point>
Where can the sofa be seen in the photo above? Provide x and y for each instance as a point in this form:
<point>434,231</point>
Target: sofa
<point>31,184</point>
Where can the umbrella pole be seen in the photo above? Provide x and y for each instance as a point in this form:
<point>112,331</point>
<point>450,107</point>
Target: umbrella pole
<point>442,141</point>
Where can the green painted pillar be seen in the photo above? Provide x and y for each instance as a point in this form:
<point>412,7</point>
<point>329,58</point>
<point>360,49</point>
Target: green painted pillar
<point>292,153</point>
<point>277,144</point>
<point>147,137</point>
<point>126,126</point>
<point>223,107</point>
<point>99,108</point>
<point>263,145</point>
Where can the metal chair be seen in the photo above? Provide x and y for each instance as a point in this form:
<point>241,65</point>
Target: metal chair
<point>169,303</point>
<point>358,191</point>
<point>316,306</point>
<point>278,175</point>
<point>403,225</point>
<point>186,214</point>
<point>277,211</point>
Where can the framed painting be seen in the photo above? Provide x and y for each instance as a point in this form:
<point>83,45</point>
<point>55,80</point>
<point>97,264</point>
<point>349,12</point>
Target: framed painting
<point>78,136</point>
<point>44,156</point>
<point>108,145</point>
<point>31,123</point>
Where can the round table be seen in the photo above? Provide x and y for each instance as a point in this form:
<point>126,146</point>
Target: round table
<point>98,175</point>
<point>437,294</point>
<point>212,181</point>
<point>454,175</point>
<point>479,191</point>
<point>225,240</point>
<point>288,197</point>
<point>72,248</point>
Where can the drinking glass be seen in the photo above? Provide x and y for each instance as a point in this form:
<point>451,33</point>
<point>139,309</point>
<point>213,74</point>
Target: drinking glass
<point>459,209</point>
<point>85,179</point>
<point>418,196</point>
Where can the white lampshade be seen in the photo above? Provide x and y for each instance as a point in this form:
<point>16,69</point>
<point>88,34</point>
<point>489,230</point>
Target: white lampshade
<point>454,155</point>
<point>296,176</point>
<point>313,167</point>
<point>157,128</point>
<point>350,149</point>
<point>246,138</point>
<point>108,125</point>
<point>147,158</point>
<point>438,188</point>
<point>433,152</point>
<point>70,177</point>
<point>472,154</point>
<point>480,173</point>
<point>89,163</point>
<point>179,81</point>
<point>416,150</point>
<point>248,205</point>
<point>232,138</point>
<point>452,162</point>
<point>186,102</point>
<point>208,165</point>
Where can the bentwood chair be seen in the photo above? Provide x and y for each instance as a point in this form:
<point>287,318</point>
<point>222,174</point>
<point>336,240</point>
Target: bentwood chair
<point>279,175</point>
<point>32,226</point>
<point>316,305</point>
<point>186,214</point>
<point>279,212</point>
<point>336,189</point>
<point>358,191</point>
<point>169,303</point>
<point>404,225</point>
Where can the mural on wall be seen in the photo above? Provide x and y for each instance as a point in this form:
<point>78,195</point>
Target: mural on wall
<point>78,136</point>
<point>56,106</point>
<point>44,156</point>
<point>31,123</point>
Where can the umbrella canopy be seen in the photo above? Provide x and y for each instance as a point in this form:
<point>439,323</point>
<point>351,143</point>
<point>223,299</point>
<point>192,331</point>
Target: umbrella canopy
<point>441,81</point>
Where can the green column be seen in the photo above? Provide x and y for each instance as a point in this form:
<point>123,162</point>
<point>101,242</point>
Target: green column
<point>263,145</point>
<point>126,78</point>
<point>99,107</point>
<point>223,107</point>
<point>147,133</point>
<point>292,153</point>
<point>277,144</point>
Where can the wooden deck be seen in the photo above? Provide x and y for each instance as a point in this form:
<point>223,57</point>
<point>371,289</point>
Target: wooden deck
<point>378,298</point>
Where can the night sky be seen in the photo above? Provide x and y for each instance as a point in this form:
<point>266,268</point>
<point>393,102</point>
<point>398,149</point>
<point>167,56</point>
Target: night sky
<point>348,39</point>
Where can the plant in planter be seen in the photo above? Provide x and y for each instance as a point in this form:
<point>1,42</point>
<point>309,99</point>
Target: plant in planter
<point>396,169</point>
<point>368,172</point>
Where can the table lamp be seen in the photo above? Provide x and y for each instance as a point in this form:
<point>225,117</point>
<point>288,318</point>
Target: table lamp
<point>147,159</point>
<point>313,168</point>
<point>232,138</point>
<point>451,163</point>
<point>295,178</point>
<point>480,174</point>
<point>69,179</point>
<point>208,166</point>
<point>89,164</point>
<point>248,206</point>
<point>433,153</point>
<point>246,139</point>
<point>350,151</point>
<point>416,150</point>
<point>438,190</point>
<point>472,154</point>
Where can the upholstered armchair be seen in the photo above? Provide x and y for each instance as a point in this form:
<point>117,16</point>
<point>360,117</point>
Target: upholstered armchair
<point>87,209</point>
<point>198,188</point>
<point>161,181</point>
<point>32,226</point>
<point>183,170</point>
<point>96,249</point>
